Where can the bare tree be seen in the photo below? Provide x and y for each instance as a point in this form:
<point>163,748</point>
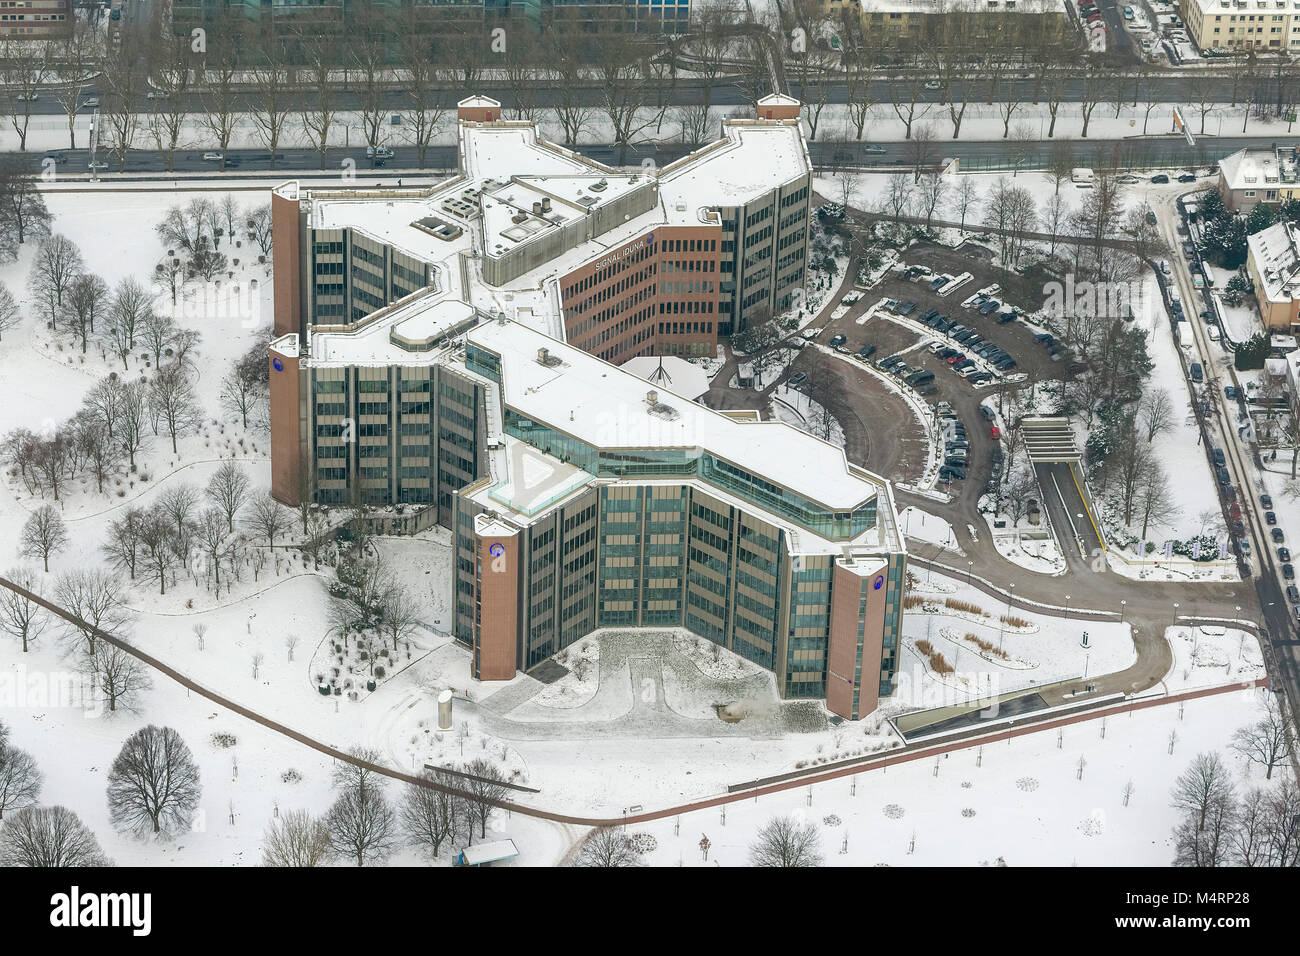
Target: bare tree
<point>20,616</point>
<point>1198,788</point>
<point>158,331</point>
<point>361,822</point>
<point>608,846</point>
<point>431,816</point>
<point>23,213</point>
<point>132,412</point>
<point>179,502</point>
<point>20,779</point>
<point>119,676</point>
<point>786,841</point>
<point>43,534</point>
<point>274,96</point>
<point>296,839</point>
<point>268,518</point>
<point>400,613</point>
<point>228,490</point>
<point>10,316</point>
<point>48,837</point>
<point>122,543</point>
<point>153,784</point>
<point>1265,741</point>
<point>96,600</point>
<point>172,399</point>
<point>211,534</point>
<point>485,784</point>
<point>58,261</point>
<point>24,67</point>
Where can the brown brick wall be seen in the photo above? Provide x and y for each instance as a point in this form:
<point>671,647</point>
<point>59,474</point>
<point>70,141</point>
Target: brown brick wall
<point>614,309</point>
<point>496,635</point>
<point>287,265</point>
<point>286,454</point>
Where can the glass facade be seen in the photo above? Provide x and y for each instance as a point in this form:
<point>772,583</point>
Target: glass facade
<point>692,462</point>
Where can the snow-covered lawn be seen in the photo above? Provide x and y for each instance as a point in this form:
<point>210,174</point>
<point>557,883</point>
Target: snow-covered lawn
<point>929,528</point>
<point>1021,801</point>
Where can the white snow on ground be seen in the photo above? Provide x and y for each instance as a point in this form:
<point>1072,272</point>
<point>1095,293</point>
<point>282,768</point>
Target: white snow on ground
<point>1178,450</point>
<point>1053,648</point>
<point>929,528</point>
<point>1210,656</point>
<point>1019,800</point>
<point>805,413</point>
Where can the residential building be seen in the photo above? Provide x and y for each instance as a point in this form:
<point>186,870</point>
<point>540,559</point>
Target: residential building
<point>1243,24</point>
<point>1258,174</point>
<point>35,19</point>
<point>1273,265</point>
<point>919,20</point>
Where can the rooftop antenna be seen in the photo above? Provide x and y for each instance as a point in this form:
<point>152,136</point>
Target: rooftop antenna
<point>660,375</point>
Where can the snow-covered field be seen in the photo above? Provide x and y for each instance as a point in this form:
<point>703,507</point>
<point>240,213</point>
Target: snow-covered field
<point>1021,801</point>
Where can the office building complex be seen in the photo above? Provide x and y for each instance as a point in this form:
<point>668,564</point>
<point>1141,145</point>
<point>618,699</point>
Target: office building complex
<point>450,354</point>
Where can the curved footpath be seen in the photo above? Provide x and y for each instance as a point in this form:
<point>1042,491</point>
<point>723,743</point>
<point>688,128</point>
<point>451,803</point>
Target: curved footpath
<point>898,756</point>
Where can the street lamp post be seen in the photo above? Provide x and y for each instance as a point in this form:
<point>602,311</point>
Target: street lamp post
<point>1175,621</point>
<point>1123,607</point>
<point>1067,607</point>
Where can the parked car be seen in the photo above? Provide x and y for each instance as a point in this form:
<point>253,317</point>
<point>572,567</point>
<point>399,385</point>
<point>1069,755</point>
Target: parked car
<point>1159,179</point>
<point>798,378</point>
<point>1288,572</point>
<point>837,339</point>
<point>874,149</point>
<point>1270,518</point>
<point>1217,455</point>
<point>1293,594</point>
<point>1197,373</point>
<point>951,473</point>
<point>1276,534</point>
<point>1266,501</point>
<point>994,432</point>
<point>213,156</point>
<point>988,412</point>
<point>1187,178</point>
<point>867,351</point>
<point>1284,554</point>
<point>381,152</point>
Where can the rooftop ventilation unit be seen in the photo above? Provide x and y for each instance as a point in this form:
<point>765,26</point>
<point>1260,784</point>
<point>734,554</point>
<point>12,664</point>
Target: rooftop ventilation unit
<point>546,204</point>
<point>658,408</point>
<point>599,187</point>
<point>544,357</point>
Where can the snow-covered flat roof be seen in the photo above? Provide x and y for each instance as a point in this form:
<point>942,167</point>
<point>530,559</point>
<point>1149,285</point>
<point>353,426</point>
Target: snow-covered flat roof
<point>755,158</point>
<point>606,407</point>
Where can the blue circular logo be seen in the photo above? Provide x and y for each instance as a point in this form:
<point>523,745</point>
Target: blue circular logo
<point>277,364</point>
<point>875,585</point>
<point>650,239</point>
<point>497,549</point>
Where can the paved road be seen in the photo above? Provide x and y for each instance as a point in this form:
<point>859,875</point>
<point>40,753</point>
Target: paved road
<point>1071,516</point>
<point>1168,86</point>
<point>1282,650</point>
<point>1151,152</point>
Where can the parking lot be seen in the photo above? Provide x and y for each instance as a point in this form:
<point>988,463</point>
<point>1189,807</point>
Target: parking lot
<point>892,335</point>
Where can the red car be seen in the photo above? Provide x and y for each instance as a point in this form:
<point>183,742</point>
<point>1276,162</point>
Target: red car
<point>995,432</point>
<point>954,359</point>
<point>1235,512</point>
